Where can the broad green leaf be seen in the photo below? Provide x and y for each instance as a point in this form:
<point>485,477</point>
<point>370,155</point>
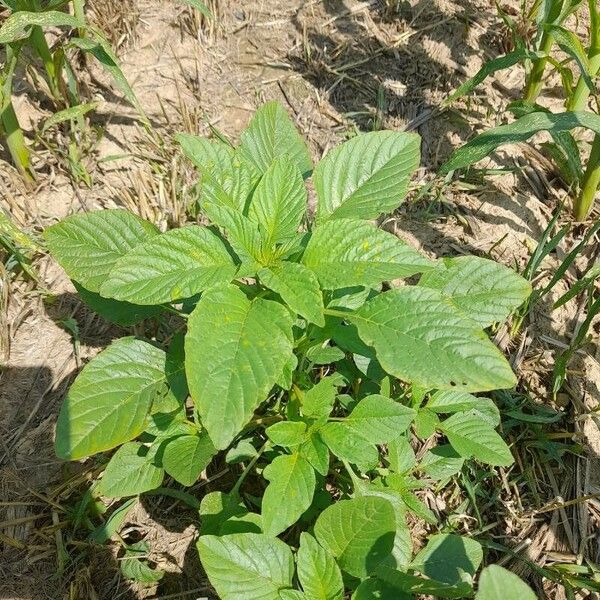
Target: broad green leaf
<point>88,245</point>
<point>348,444</point>
<point>271,135</point>
<point>358,532</point>
<point>519,131</point>
<point>379,419</point>
<point>246,565</point>
<point>324,355</point>
<point>241,452</point>
<point>172,266</point>
<point>110,399</point>
<point>449,401</point>
<point>482,289</point>
<point>298,288</point>
<point>401,456</point>
<point>347,252</point>
<point>112,525</point>
<point>367,175</point>
<point>318,401</point>
<point>441,462</point>
<point>426,423</point>
<point>318,572</point>
<point>446,557</point>
<point>420,337</point>
<point>134,567</point>
<point>121,313</point>
<point>421,586</point>
<point>496,583</point>
<point>316,452</point>
<point>206,154</point>
<point>287,433</point>
<point>129,473</point>
<point>289,493</point>
<point>15,27</point>
<point>291,595</point>
<point>472,436</point>
<point>217,509</point>
<point>377,589</point>
<point>235,350</point>
<point>186,456</point>
<point>279,201</point>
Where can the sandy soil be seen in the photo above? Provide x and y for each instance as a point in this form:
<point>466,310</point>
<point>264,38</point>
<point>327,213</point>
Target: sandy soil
<point>337,67</point>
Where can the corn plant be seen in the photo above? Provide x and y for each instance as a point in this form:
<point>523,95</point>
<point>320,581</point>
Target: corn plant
<point>533,118</point>
<point>23,30</point>
<point>285,350</point>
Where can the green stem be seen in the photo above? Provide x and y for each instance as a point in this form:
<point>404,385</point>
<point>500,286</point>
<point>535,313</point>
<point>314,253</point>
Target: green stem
<point>9,124</point>
<point>236,488</point>
<point>79,12</point>
<point>40,44</point>
<point>534,84</point>
<point>589,186</point>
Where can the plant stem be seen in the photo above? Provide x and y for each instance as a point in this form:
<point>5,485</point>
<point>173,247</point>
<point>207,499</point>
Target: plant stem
<point>534,84</point>
<point>589,186</point>
<point>9,124</point>
<point>39,43</point>
<point>246,471</point>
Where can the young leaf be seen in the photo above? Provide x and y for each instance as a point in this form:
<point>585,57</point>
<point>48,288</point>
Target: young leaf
<point>401,456</point>
<point>110,399</point>
<point>289,493</point>
<point>358,532</point>
<point>348,444</point>
<point>318,401</point>
<point>270,135</point>
<point>287,433</point>
<point>88,245</point>
<point>279,201</point>
<point>496,583</point>
<point>316,452</point>
<point>471,436</point>
<point>346,252</point>
<point>211,155</point>
<point>371,589</point>
<point>186,456</point>
<point>318,572</point>
<point>426,423</point>
<point>129,473</point>
<point>367,175</point>
<point>421,338</point>
<point>379,419</point>
<point>298,288</point>
<point>121,313</point>
<point>324,355</point>
<point>172,266</point>
<point>235,350</point>
<point>449,401</point>
<point>246,565</point>
<point>447,556</point>
<point>482,289</point>
<point>441,462</point>
<point>216,509</point>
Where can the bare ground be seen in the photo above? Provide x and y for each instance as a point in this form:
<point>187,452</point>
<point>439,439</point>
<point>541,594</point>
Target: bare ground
<point>338,67</point>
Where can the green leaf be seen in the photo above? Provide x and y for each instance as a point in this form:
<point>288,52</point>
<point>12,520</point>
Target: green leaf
<point>186,456</point>
<point>422,586</point>
<point>15,27</point>
<point>318,572</point>
<point>441,462</point>
<point>68,114</point>
<point>217,509</point>
<point>420,337</point>
<point>316,452</point>
<point>129,473</point>
<point>246,566</point>
<point>136,569</point>
<point>471,436</point>
<point>279,201</point>
<point>348,444</point>
<point>271,135</point>
<point>482,289</point>
<point>446,557</point>
<point>367,175</point>
<point>496,583</point>
<point>206,154</point>
<point>401,456</point>
<point>376,589</point>
<point>289,493</point>
<point>318,401</point>
<point>235,350</point>
<point>324,355</point>
<point>358,532</point>
<point>88,245</point>
<point>109,401</point>
<point>379,419</point>
<point>519,131</point>
<point>426,423</point>
<point>347,252</point>
<point>449,401</point>
<point>298,288</point>
<point>172,266</point>
<point>105,532</point>
<point>114,311</point>
<point>287,433</point>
